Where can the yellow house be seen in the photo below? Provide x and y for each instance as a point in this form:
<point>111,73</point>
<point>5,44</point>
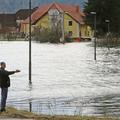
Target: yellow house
<point>70,17</point>
<point>86,32</point>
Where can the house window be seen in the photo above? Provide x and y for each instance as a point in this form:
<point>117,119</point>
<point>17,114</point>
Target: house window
<point>88,33</point>
<point>70,23</point>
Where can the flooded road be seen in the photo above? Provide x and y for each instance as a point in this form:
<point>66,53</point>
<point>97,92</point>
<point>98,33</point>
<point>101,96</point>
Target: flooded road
<point>65,78</point>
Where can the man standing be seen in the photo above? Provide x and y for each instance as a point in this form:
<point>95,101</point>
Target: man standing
<point>4,84</point>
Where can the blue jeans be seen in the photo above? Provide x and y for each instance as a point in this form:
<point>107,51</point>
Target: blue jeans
<point>4,93</point>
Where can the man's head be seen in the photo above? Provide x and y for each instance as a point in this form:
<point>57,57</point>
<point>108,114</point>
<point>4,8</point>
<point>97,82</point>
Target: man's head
<point>3,65</point>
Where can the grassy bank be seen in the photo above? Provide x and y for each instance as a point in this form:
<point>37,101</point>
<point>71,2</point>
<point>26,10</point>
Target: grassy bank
<point>14,113</point>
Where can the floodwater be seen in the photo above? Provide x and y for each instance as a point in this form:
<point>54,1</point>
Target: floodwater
<point>65,78</point>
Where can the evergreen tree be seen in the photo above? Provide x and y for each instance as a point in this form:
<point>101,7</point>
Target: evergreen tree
<point>105,10</point>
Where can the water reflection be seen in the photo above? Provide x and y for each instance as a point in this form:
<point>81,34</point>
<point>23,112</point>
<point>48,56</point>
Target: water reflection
<point>102,106</point>
<point>30,106</point>
<point>107,106</point>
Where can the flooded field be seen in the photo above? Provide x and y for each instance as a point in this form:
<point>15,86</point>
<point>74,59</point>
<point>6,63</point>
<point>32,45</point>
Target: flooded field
<point>65,78</point>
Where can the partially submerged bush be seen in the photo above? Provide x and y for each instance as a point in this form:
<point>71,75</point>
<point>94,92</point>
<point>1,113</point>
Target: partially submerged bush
<point>47,35</point>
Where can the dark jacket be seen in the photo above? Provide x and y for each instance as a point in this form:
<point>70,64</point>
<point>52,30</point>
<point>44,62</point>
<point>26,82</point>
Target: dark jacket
<point>4,78</point>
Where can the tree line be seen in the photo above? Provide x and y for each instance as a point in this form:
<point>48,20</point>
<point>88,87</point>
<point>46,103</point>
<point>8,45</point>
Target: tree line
<point>105,10</point>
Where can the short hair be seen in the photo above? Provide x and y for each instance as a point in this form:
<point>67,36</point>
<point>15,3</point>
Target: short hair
<point>2,63</point>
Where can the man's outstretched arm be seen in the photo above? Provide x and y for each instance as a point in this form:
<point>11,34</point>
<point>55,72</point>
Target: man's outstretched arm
<point>13,72</point>
<point>5,72</point>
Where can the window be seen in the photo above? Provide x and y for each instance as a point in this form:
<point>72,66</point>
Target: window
<point>88,33</point>
<point>70,23</point>
<point>70,33</point>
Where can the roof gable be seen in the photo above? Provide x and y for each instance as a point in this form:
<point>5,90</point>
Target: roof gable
<point>71,10</point>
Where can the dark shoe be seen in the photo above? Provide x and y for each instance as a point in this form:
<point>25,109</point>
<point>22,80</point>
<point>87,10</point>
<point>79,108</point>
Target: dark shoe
<point>2,110</point>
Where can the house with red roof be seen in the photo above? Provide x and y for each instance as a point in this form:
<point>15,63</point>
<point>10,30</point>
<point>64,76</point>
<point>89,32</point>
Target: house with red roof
<point>70,17</point>
<point>9,22</point>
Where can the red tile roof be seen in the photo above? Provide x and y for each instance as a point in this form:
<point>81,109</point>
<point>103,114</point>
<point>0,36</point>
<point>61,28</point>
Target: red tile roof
<point>72,10</point>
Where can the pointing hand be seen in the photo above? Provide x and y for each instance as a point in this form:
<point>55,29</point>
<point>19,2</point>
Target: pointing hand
<point>17,71</point>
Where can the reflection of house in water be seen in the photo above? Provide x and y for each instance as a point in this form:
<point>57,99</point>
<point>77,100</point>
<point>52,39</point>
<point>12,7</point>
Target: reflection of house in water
<point>70,17</point>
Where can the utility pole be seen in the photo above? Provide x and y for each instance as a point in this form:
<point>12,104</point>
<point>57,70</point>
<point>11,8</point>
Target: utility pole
<point>30,57</point>
<point>108,33</point>
<point>108,25</point>
<point>94,13</point>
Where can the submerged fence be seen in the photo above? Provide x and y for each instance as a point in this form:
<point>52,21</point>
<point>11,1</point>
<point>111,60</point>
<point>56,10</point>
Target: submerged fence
<point>109,40</point>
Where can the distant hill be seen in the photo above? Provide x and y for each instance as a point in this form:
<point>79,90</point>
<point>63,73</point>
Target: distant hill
<point>14,5</point>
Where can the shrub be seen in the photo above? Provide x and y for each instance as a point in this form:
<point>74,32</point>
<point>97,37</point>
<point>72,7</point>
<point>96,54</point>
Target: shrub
<point>47,35</point>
